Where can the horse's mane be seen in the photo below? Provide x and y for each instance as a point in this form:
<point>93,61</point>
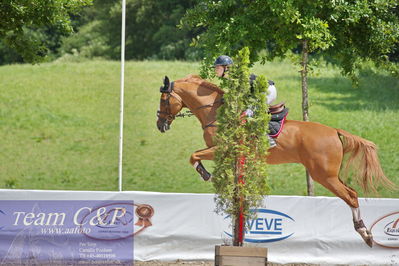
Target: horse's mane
<point>201,82</point>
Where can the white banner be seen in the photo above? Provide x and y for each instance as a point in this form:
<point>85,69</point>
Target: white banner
<point>319,230</point>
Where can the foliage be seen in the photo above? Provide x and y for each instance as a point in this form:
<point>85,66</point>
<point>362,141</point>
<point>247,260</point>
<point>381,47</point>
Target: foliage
<point>8,55</point>
<point>88,42</point>
<point>236,139</point>
<point>151,30</point>
<point>152,33</point>
<point>348,31</point>
<point>22,24</point>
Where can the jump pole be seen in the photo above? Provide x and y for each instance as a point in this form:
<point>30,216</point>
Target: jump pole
<point>122,93</point>
<point>240,179</point>
<point>240,219</point>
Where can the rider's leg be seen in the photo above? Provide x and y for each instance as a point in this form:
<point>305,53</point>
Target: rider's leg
<point>272,142</point>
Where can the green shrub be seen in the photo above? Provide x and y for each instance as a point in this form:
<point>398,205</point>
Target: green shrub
<point>236,139</point>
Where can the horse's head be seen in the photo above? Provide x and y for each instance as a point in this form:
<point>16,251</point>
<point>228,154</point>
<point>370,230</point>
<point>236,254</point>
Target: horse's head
<point>169,107</point>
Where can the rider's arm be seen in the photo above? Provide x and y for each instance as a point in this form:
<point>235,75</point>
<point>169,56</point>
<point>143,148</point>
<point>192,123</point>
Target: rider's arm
<point>271,96</point>
<point>271,93</point>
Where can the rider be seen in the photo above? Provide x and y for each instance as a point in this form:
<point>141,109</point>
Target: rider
<point>222,65</point>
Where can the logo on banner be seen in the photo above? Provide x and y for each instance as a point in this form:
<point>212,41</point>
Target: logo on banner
<point>112,216</point>
<point>144,213</point>
<point>87,220</point>
<point>109,217</point>
<point>386,231</point>
<point>67,232</point>
<point>269,226</point>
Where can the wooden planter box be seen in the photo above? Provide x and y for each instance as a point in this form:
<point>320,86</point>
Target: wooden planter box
<point>240,256</point>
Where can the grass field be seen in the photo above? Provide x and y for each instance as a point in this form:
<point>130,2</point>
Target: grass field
<point>59,125</point>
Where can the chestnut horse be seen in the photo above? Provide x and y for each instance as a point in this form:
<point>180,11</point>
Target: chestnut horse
<point>318,147</point>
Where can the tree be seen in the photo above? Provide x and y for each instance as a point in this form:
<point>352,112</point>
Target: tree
<point>348,31</point>
<point>20,22</point>
<point>394,56</point>
<point>240,168</point>
<point>151,29</point>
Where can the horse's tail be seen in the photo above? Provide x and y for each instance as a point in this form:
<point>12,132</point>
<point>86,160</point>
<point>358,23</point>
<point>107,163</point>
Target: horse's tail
<point>369,173</point>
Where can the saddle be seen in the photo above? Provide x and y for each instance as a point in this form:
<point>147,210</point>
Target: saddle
<point>277,108</point>
<point>278,115</point>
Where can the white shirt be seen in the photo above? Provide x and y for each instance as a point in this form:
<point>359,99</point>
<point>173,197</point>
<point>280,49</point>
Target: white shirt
<point>271,94</point>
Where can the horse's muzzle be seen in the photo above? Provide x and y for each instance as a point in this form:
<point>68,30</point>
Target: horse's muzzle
<point>163,125</point>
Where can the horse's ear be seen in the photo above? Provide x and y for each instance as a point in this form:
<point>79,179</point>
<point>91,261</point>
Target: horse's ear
<point>166,85</point>
<point>166,81</point>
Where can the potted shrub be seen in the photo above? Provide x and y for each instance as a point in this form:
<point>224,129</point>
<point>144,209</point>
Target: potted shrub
<point>240,175</point>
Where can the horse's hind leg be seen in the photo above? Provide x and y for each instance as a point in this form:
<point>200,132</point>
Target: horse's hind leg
<point>349,195</point>
<point>195,160</point>
<point>323,160</point>
<point>358,222</point>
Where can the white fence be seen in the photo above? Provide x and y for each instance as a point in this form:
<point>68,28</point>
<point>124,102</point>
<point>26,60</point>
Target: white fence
<point>295,229</point>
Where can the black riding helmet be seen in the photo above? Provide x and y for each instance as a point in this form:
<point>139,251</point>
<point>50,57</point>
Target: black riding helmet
<point>223,60</point>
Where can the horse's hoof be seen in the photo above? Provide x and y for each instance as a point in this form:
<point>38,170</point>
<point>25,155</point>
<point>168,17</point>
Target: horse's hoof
<point>366,235</point>
<point>369,239</point>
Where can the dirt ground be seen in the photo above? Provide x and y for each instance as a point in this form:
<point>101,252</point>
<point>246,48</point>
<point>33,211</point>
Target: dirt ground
<point>201,263</point>
<point>173,263</point>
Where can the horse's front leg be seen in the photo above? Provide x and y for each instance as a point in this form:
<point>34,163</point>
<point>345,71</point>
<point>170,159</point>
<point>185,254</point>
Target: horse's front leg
<point>195,160</point>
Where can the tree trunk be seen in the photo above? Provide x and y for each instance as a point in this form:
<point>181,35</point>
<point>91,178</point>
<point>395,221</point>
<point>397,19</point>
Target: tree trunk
<point>305,103</point>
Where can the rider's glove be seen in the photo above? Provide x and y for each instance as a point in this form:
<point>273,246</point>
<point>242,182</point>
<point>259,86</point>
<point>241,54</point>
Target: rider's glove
<point>249,112</point>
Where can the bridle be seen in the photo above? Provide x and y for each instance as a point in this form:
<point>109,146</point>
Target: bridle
<point>168,90</point>
<point>169,116</point>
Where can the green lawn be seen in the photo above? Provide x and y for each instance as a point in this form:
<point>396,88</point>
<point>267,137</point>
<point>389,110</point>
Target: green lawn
<point>59,125</point>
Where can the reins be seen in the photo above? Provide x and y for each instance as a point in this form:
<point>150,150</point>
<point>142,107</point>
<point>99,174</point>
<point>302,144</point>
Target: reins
<point>189,113</point>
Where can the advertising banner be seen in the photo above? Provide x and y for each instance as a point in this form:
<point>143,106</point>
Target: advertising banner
<point>180,226</point>
<point>60,232</point>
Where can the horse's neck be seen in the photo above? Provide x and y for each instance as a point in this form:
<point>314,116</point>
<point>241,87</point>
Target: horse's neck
<point>201,106</point>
